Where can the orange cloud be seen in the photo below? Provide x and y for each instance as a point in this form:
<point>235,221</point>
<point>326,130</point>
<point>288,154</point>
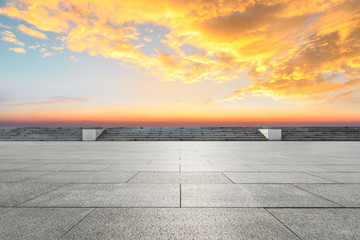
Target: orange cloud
<point>57,48</point>
<point>18,50</point>
<point>306,50</point>
<point>45,53</point>
<point>324,67</point>
<point>31,32</point>
<point>147,39</point>
<point>8,36</point>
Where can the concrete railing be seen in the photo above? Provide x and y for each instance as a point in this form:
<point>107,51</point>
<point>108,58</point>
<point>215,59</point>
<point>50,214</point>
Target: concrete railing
<point>271,134</point>
<point>91,134</point>
<point>180,134</point>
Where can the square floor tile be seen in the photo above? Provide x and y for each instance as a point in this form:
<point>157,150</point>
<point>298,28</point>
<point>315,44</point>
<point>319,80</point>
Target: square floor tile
<point>85,177</point>
<point>321,224</point>
<point>347,195</point>
<point>270,177</point>
<point>38,223</point>
<point>215,168</point>
<point>150,167</point>
<point>287,168</point>
<point>340,177</point>
<point>179,177</point>
<point>248,195</point>
<point>18,176</point>
<point>154,223</point>
<point>14,193</point>
<point>110,195</point>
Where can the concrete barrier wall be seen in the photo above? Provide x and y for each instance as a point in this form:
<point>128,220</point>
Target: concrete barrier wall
<point>40,134</point>
<point>181,134</point>
<point>320,134</point>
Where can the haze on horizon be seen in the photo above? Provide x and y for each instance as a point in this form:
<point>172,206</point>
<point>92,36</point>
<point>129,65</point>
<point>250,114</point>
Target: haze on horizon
<point>170,63</point>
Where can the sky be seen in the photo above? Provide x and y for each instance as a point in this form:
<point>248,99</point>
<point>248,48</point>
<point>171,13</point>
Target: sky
<point>179,63</point>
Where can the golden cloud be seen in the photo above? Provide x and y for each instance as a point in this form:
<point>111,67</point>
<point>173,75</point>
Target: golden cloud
<point>9,36</point>
<point>31,32</point>
<point>45,53</point>
<point>304,50</point>
<point>18,50</point>
<point>147,39</point>
<point>57,48</point>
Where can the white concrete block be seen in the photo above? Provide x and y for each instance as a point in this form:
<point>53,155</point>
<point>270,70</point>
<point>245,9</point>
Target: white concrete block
<point>91,134</point>
<point>271,134</point>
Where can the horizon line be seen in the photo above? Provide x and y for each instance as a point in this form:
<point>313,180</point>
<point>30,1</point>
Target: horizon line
<point>179,124</point>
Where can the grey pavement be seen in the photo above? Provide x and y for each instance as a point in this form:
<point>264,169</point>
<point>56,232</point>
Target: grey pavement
<point>179,190</point>
<point>180,223</point>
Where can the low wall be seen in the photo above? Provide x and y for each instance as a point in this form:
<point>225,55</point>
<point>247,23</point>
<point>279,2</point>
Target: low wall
<point>180,134</point>
<point>40,134</point>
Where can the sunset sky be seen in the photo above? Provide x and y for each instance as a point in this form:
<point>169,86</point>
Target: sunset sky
<point>171,62</point>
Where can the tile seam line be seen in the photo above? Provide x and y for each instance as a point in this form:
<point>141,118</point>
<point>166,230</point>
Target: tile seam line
<point>76,223</point>
<point>103,170</point>
<point>180,195</point>
<point>282,224</point>
<point>98,170</point>
<point>317,195</point>
<point>209,162</point>
<point>187,207</point>
<point>227,177</point>
<point>17,205</point>
<point>129,178</point>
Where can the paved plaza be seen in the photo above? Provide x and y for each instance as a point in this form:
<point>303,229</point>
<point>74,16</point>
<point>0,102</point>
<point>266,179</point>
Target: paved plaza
<point>180,190</point>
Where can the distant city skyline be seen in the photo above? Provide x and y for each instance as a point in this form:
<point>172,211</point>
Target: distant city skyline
<point>179,63</point>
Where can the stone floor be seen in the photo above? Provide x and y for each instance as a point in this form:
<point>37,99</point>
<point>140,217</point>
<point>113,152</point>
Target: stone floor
<point>180,190</point>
